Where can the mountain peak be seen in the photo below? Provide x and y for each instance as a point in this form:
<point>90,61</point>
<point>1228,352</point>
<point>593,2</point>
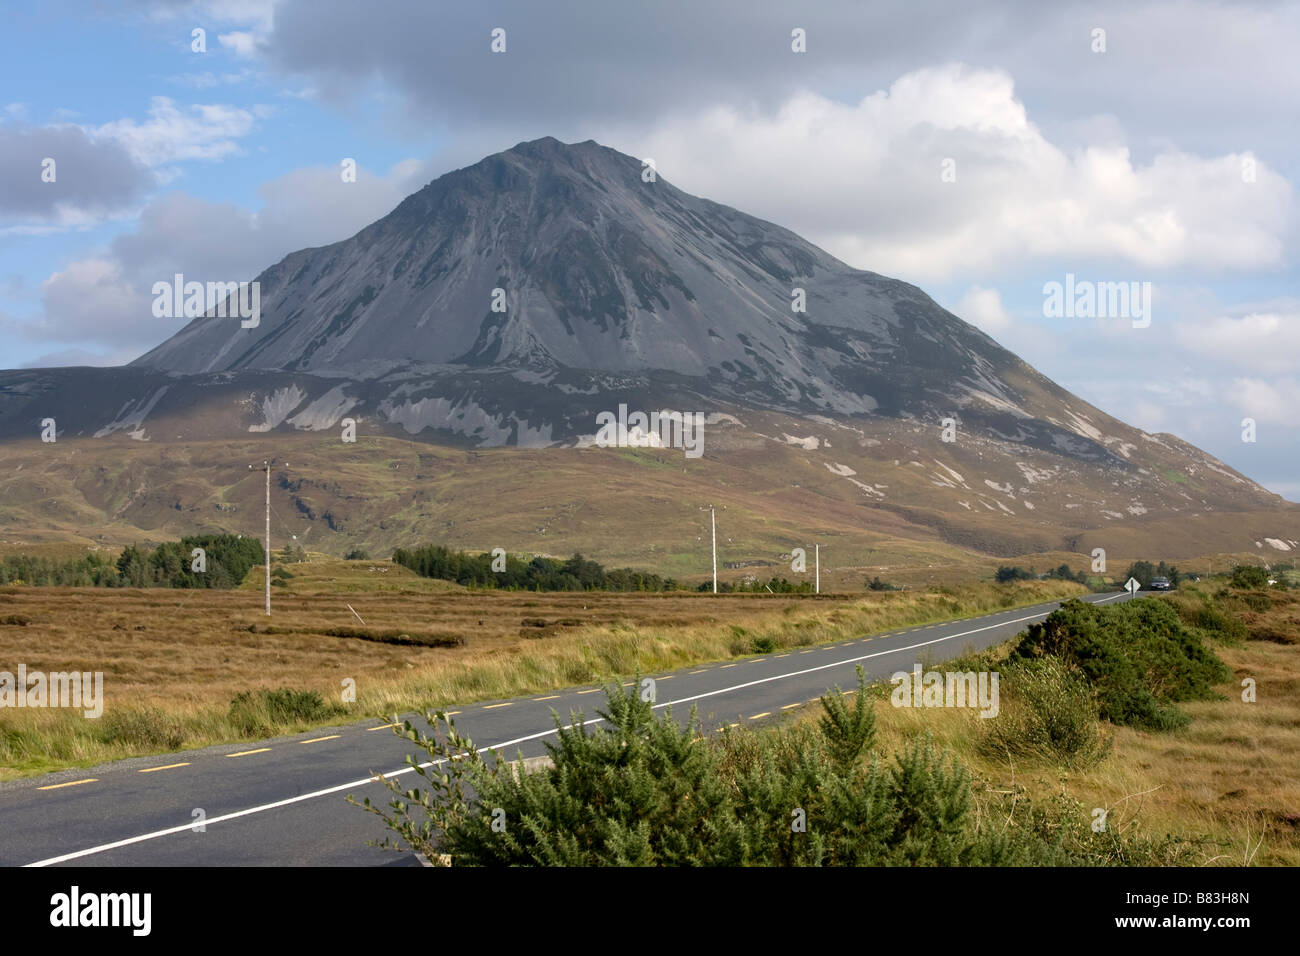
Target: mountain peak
<point>551,258</point>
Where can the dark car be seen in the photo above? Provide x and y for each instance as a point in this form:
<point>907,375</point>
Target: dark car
<point>1160,584</point>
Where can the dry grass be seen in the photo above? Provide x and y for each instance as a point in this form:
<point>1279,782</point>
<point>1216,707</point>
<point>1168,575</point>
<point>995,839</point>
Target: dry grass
<point>173,660</point>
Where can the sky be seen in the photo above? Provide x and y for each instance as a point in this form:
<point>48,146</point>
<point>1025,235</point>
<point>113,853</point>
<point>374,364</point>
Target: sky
<point>981,151</point>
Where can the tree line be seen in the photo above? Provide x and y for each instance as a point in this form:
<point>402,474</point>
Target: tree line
<point>224,561</point>
<point>537,574</point>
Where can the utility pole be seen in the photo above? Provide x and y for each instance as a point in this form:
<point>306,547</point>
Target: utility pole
<point>714,524</point>
<point>817,552</point>
<point>267,465</point>
<point>268,539</point>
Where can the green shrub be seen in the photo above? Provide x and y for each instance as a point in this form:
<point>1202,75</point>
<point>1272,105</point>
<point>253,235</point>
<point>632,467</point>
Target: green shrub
<point>762,644</point>
<point>1047,712</point>
<point>1138,657</point>
<point>1249,576</point>
<point>638,789</point>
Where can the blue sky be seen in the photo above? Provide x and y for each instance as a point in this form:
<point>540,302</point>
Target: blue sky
<point>1127,163</point>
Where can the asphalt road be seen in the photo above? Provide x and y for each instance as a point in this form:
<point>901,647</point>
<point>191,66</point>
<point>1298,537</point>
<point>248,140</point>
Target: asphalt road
<point>281,802</point>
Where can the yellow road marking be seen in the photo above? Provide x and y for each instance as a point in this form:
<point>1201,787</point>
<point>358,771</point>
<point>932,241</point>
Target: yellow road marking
<point>763,714</point>
<point>808,651</point>
<point>726,665</point>
<point>592,691</point>
<point>170,766</point>
<point>73,783</point>
<point>788,706</point>
<point>666,677</point>
<point>316,740</point>
<point>495,706</point>
<point>700,671</point>
<point>245,753</point>
<point>552,697</point>
<point>786,654</point>
<point>371,730</point>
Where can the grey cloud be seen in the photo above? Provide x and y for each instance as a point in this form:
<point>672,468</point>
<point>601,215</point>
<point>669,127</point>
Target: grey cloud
<point>105,299</point>
<point>90,176</point>
<point>1207,75</point>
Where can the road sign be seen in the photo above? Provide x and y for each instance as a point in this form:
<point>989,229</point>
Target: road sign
<point>1132,586</point>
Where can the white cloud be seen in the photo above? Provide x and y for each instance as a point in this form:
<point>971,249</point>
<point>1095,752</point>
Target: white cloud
<point>864,181</point>
<point>241,42</point>
<point>1275,402</point>
<point>983,308</point>
<point>201,131</point>
<point>90,299</point>
<point>1262,342</point>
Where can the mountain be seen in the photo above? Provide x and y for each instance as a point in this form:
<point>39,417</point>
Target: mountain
<point>512,302</point>
<point>603,272</point>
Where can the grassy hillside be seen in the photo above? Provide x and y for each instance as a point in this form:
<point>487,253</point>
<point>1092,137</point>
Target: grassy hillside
<point>643,508</point>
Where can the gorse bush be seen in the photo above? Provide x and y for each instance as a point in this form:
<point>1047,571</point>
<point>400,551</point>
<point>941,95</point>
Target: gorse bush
<point>1007,572</point>
<point>1249,576</point>
<point>1048,712</point>
<point>638,789</point>
<point>1138,657</point>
